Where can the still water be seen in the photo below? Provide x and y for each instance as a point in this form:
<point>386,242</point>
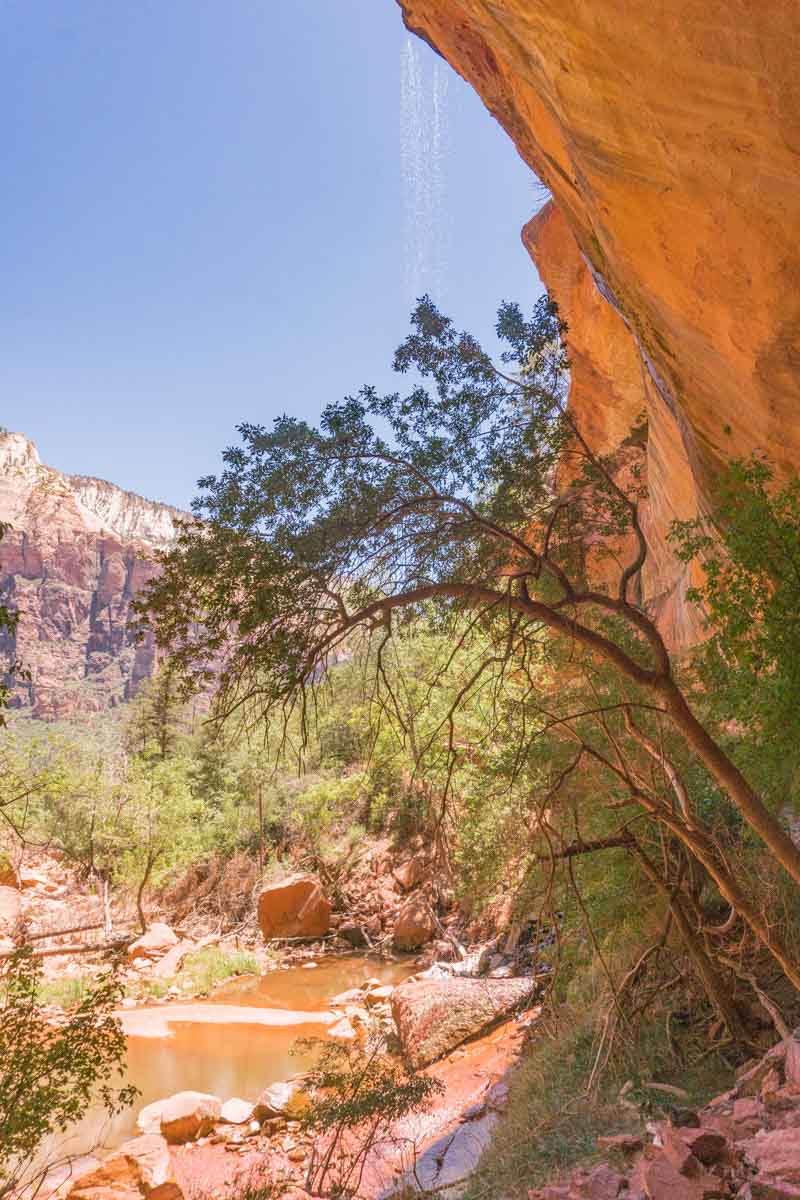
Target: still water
<point>237,1059</point>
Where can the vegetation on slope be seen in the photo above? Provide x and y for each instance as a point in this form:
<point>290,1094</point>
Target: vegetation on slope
<point>426,615</point>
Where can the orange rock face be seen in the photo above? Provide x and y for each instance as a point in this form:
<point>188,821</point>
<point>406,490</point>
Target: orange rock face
<point>669,135</point>
<point>295,907</point>
<point>610,390</point>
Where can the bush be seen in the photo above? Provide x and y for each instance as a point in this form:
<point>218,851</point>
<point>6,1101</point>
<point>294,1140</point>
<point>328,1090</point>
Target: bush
<point>359,1093</point>
<point>51,1074</point>
<point>66,993</point>
<point>211,965</point>
<point>553,1118</point>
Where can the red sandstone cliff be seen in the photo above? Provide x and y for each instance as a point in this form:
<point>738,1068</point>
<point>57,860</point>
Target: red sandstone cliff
<point>78,551</point>
<point>669,135</point>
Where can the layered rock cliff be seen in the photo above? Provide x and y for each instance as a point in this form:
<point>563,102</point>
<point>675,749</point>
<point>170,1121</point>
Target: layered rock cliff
<point>77,552</point>
<point>669,136</point>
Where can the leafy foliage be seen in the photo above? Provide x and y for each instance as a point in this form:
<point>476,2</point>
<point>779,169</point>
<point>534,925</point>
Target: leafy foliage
<point>359,1093</point>
<point>305,524</point>
<point>49,1075</point>
<point>749,668</point>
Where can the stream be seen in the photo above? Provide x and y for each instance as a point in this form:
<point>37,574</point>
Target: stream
<point>191,1046</point>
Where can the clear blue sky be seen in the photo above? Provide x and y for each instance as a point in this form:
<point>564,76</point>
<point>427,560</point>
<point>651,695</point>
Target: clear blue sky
<point>203,221</point>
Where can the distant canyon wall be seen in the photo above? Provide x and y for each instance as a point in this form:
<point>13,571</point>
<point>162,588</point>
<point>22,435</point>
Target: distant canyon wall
<point>78,551</point>
<point>669,136</point>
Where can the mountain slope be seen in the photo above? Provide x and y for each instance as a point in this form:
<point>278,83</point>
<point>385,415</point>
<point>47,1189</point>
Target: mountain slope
<point>77,552</point>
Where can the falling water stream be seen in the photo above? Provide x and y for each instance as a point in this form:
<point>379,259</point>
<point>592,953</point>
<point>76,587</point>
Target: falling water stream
<point>423,145</point>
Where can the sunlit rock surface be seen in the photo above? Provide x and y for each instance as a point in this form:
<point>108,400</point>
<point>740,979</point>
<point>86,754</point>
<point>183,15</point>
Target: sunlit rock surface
<point>77,552</point>
<point>610,390</point>
<point>669,135</point>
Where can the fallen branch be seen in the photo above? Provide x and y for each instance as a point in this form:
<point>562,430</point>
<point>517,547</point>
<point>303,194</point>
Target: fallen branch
<point>37,937</point>
<point>78,948</point>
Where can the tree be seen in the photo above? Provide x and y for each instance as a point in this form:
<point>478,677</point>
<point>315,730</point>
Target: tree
<point>359,1094</point>
<point>50,1074</point>
<point>478,497</point>
<point>748,669</point>
<point>158,721</point>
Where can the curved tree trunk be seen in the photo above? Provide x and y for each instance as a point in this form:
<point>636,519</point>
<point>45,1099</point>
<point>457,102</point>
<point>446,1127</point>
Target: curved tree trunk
<point>730,779</point>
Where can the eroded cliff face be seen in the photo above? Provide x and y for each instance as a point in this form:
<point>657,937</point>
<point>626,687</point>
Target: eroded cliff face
<point>610,390</point>
<point>78,551</point>
<point>669,135</point>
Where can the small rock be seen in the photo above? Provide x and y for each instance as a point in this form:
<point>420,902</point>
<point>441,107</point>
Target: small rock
<point>342,1031</point>
<point>624,1143</point>
<point>153,944</point>
<point>602,1183</point>
<point>776,1154</point>
<point>351,996</point>
<point>354,934</point>
<point>762,1188</point>
<point>706,1145</point>
<point>376,995</point>
<point>236,1112</point>
<point>748,1114</point>
<point>284,1099</point>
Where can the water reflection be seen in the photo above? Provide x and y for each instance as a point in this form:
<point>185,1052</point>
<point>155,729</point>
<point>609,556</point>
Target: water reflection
<point>236,1059</point>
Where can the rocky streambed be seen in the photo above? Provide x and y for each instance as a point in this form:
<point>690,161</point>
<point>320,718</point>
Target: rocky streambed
<point>222,1085</point>
<point>219,1071</point>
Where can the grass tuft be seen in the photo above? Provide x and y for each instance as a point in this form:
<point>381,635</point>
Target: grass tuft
<point>210,966</point>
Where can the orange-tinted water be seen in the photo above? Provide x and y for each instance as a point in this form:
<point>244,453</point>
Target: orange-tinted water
<point>235,1059</point>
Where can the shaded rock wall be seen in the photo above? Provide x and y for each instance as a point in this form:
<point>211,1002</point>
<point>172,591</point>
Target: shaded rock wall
<point>78,551</point>
<point>669,135</point>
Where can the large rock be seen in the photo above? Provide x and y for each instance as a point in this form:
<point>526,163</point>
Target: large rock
<point>236,1111</point>
<point>148,1119</point>
<point>154,943</point>
<point>669,136</point>
<point>172,961</point>
<point>415,925</point>
<point>776,1154</point>
<point>10,910</point>
<point>294,908</point>
<point>140,1168</point>
<point>411,874</point>
<point>285,1099</point>
<point>189,1115</point>
<point>433,1016</point>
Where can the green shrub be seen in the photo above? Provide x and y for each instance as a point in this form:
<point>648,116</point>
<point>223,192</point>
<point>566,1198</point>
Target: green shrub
<point>211,965</point>
<point>50,1076</point>
<point>66,993</point>
<point>552,1119</point>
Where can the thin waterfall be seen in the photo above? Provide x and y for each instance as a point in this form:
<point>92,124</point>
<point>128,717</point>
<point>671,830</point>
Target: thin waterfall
<point>423,144</point>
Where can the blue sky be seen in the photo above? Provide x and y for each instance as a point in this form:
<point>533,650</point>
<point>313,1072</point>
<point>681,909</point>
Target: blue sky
<point>205,220</point>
